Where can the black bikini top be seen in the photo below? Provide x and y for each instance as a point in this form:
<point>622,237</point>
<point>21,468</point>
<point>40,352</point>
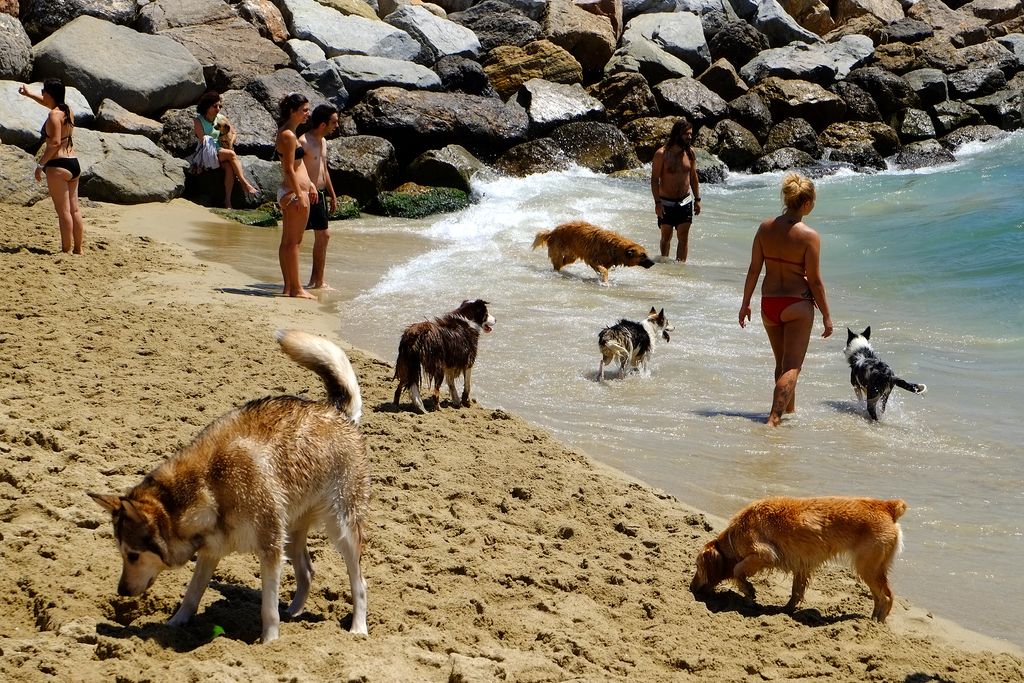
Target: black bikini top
<point>43,134</point>
<point>299,153</point>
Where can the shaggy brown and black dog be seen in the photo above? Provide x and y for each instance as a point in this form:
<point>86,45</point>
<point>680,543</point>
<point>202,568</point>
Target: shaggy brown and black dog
<point>599,248</point>
<point>797,535</point>
<point>441,349</point>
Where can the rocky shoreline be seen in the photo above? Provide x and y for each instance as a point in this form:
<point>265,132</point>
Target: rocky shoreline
<point>432,93</point>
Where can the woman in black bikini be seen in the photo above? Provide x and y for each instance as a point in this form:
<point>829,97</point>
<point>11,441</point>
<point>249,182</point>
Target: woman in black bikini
<point>59,163</point>
<point>297,191</point>
<point>788,250</point>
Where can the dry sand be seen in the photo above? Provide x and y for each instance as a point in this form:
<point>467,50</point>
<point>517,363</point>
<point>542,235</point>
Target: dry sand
<point>495,552</point>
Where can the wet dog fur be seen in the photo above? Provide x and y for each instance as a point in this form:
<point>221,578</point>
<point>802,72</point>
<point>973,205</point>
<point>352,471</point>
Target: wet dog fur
<point>797,535</point>
<point>599,248</point>
<point>256,480</point>
<point>631,342</point>
<point>870,376</point>
<point>440,349</point>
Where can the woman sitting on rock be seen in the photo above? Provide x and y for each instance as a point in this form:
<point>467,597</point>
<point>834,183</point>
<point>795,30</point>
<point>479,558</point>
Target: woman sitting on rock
<point>59,163</point>
<point>297,192</point>
<point>207,132</point>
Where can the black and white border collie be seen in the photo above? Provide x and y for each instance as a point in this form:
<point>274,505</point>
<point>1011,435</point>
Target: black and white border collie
<point>441,349</point>
<point>870,375</point>
<point>631,342</point>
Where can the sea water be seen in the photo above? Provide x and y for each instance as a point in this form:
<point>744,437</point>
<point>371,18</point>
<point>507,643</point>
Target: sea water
<point>932,260</point>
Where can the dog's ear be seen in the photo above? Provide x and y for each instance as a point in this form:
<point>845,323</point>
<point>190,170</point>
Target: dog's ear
<point>849,336</point>
<point>661,314</point>
<point>107,501</point>
<point>654,311</point>
<point>131,511</point>
<point>867,332</point>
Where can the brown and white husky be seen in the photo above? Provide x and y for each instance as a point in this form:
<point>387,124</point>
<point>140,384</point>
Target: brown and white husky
<point>631,342</point>
<point>256,480</point>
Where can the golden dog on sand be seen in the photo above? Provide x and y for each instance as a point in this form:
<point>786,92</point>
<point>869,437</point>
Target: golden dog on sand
<point>599,248</point>
<point>797,535</point>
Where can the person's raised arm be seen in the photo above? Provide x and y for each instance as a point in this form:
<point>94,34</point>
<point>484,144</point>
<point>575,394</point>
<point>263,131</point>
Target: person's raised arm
<point>812,270</point>
<point>753,272</point>
<point>23,90</point>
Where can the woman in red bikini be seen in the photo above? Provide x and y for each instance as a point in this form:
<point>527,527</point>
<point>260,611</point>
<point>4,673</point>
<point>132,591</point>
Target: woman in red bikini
<point>788,250</point>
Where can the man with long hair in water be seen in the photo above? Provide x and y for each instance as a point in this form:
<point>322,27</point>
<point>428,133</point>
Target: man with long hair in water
<point>673,178</point>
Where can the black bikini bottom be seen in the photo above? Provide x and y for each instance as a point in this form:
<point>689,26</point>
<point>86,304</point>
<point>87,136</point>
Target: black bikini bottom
<point>69,164</point>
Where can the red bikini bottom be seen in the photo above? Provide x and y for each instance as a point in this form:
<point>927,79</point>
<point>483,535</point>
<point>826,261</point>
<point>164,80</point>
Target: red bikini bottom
<point>773,306</point>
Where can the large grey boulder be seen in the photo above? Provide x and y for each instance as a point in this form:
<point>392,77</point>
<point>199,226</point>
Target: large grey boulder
<point>113,118</point>
<point>971,83</point>
<point>679,34</point>
<point>1004,108</point>
<point>1014,43</point>
<point>962,136</point>
<point>950,115</point>
<point>361,73</point>
<point>626,96</point>
<point>915,125</point>
<point>127,169</point>
<point>495,23</point>
<point>860,106</point>
<point>929,84</point>
<point>362,166</point>
<point>647,134</point>
<point>271,88</point>
<point>922,154</point>
<point>750,111</point>
<point>768,17</point>
<point>821,63</point>
<point>459,74</point>
<point>303,53</point>
<point>231,51</point>
<point>632,8</point>
<point>734,144</point>
<point>690,98</point>
<point>437,37</point>
<point>450,166</point>
<point>647,59</point>
<point>339,34</point>
<point>721,78</point>
<point>549,105</point>
<point>890,92</point>
<point>601,147</point>
<point>851,136</point>
<point>17,182</point>
<point>43,17</point>
<point>325,77</point>
<point>785,159</point>
<point>255,127</point>
<point>795,133</point>
<point>142,73</point>
<point>177,136</point>
<point>801,99</point>
<point>160,15</point>
<point>536,156</point>
<point>587,37</point>
<point>416,121</point>
<point>15,50</point>
<point>21,119</point>
<point>737,41</point>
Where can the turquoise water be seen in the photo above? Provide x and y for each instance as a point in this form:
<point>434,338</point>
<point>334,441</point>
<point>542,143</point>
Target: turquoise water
<point>932,260</point>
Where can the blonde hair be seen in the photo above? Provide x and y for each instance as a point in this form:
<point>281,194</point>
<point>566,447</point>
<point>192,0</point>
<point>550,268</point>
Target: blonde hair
<point>797,191</point>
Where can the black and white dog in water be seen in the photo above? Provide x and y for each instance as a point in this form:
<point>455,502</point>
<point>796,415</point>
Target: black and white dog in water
<point>870,376</point>
<point>630,342</point>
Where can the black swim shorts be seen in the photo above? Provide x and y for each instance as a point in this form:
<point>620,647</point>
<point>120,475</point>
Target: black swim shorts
<point>318,214</point>
<point>676,212</point>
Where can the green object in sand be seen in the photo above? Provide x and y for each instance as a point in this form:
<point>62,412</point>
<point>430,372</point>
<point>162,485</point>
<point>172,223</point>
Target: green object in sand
<point>217,631</point>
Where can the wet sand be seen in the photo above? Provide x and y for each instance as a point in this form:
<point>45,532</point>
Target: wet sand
<point>495,553</point>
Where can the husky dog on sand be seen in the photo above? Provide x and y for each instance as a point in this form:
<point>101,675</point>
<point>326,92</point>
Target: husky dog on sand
<point>257,479</point>
<point>870,376</point>
<point>630,342</point>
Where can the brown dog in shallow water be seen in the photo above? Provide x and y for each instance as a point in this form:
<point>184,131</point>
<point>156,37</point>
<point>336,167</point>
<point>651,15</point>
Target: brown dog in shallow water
<point>599,248</point>
<point>797,535</point>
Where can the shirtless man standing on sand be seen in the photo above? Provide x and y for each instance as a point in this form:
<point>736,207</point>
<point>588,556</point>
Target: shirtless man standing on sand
<point>323,121</point>
<point>673,176</point>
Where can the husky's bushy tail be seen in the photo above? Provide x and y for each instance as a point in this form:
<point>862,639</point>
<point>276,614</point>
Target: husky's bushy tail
<point>910,386</point>
<point>331,364</point>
